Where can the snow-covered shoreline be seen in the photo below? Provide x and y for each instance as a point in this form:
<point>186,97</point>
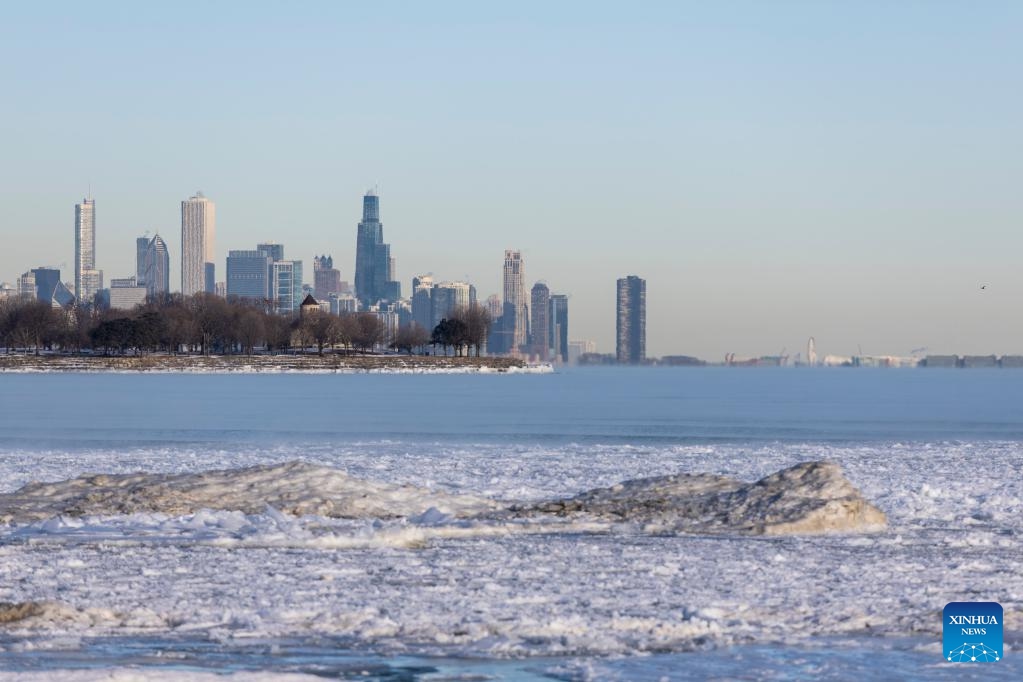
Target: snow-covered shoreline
<point>268,364</point>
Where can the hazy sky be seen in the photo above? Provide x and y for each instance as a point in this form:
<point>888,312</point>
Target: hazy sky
<point>774,170</point>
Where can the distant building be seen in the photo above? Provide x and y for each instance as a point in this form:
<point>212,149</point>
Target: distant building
<point>447,297</point>
<point>47,284</point>
<point>125,293</point>
<point>141,247</point>
<point>941,361</point>
<point>7,291</point>
<point>540,336</point>
<point>374,267</point>
<point>27,285</point>
<point>249,274</point>
<point>494,307</point>
<point>309,306</point>
<point>559,327</point>
<point>343,303</point>
<point>631,325</point>
<point>198,234</point>
<point>286,286</point>
<point>682,361</point>
<point>274,251</point>
<point>156,267</point>
<point>516,312</point>
<point>88,280</point>
<point>577,349</point>
<point>326,278</point>
<point>422,301</point>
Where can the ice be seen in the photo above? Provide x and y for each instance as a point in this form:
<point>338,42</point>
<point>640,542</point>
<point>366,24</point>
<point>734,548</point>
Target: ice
<point>439,581</point>
<point>298,488</point>
<point>811,497</point>
<point>807,498</point>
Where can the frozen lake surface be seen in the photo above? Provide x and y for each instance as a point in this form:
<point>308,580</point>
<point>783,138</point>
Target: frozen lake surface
<point>423,596</point>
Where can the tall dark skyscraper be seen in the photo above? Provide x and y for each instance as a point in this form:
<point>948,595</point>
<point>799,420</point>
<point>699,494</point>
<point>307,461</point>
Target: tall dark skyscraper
<point>559,327</point>
<point>374,267</point>
<point>540,341</point>
<point>631,327</point>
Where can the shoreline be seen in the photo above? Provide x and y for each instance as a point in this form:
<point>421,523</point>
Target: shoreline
<point>268,364</point>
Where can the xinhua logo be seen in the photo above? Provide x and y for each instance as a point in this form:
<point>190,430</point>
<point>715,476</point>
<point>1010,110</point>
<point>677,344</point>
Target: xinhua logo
<point>972,631</point>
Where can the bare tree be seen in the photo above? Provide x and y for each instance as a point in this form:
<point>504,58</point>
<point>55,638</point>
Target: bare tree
<point>347,330</point>
<point>476,323</point>
<point>369,331</point>
<point>278,332</point>
<point>321,328</point>
<point>409,337</point>
<point>251,329</point>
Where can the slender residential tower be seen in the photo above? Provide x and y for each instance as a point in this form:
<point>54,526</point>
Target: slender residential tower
<point>88,280</point>
<point>559,327</point>
<point>631,325</point>
<point>515,308</point>
<point>198,232</point>
<point>540,298</point>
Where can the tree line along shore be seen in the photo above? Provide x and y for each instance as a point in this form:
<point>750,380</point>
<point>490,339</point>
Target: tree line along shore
<point>204,325</point>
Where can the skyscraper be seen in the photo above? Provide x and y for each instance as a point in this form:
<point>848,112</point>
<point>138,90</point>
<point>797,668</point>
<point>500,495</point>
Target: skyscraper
<point>326,278</point>
<point>274,251</point>
<point>540,300</point>
<point>141,246</point>
<point>559,327</point>
<point>156,267</point>
<point>631,327</point>
<point>286,285</point>
<point>47,281</point>
<point>446,298</point>
<point>422,306</point>
<point>374,267</point>
<point>249,274</point>
<point>198,234</point>
<point>515,308</point>
<point>88,280</point>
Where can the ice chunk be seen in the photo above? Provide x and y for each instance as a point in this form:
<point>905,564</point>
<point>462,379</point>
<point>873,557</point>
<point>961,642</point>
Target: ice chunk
<point>296,488</point>
<point>812,497</point>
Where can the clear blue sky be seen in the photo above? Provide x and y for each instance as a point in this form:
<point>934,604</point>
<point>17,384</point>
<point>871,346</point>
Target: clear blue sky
<point>775,170</point>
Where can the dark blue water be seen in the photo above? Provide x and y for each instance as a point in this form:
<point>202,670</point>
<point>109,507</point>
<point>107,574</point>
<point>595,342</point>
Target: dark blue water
<point>607,405</point>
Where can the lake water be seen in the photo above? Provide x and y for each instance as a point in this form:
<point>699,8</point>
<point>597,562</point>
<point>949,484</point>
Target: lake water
<point>939,451</point>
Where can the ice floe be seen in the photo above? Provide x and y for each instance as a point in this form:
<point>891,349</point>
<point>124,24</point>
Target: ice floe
<point>811,497</point>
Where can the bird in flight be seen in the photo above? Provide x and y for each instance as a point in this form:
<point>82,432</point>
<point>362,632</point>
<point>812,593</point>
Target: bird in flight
<point>983,286</point>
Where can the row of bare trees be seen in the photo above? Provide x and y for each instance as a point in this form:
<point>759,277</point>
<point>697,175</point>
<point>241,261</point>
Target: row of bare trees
<point>206,324</point>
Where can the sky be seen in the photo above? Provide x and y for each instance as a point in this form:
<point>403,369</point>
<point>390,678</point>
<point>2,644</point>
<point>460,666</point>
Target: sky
<point>774,170</point>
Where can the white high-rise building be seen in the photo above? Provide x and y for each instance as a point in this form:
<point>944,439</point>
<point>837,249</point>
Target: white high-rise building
<point>515,296</point>
<point>88,280</point>
<point>198,234</point>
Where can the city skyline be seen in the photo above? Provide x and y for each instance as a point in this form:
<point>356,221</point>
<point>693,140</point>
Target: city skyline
<point>768,177</point>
